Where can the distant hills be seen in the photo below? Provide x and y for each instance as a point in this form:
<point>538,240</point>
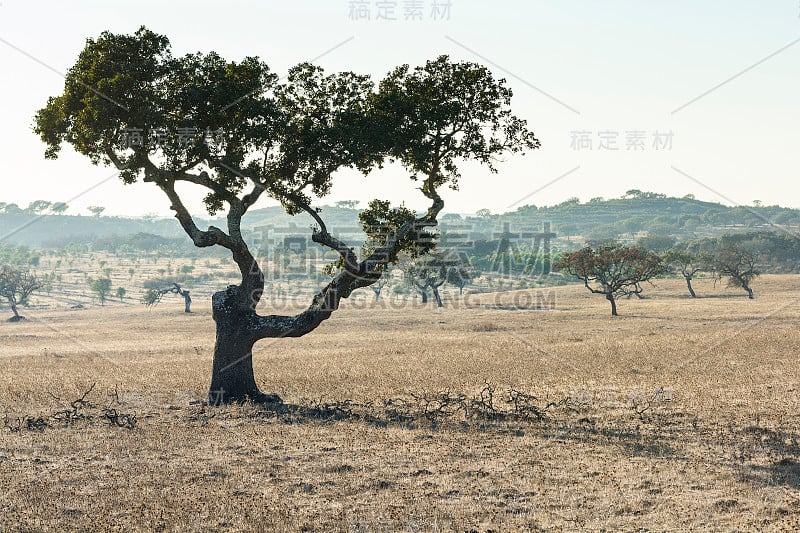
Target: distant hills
<point>636,214</point>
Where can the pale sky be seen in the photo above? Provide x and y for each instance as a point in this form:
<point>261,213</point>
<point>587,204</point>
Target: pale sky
<point>613,69</point>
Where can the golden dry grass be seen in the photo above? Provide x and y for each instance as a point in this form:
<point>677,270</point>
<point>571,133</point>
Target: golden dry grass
<point>716,449</point>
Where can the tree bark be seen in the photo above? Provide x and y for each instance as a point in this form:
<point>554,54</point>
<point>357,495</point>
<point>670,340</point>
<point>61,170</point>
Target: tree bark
<point>424,295</point>
<point>438,297</point>
<point>610,298</point>
<point>689,286</point>
<point>749,292</point>
<point>232,378</point>
<point>187,301</point>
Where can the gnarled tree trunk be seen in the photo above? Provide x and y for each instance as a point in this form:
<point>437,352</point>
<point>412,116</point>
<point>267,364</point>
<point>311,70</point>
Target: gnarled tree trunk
<point>438,297</point>
<point>610,298</point>
<point>689,285</point>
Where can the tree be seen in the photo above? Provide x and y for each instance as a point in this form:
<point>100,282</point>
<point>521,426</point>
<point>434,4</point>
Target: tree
<point>153,296</point>
<point>38,206</point>
<point>16,286</point>
<point>426,274</point>
<point>657,243</point>
<point>686,264</point>
<point>121,292</point>
<point>612,270</point>
<point>59,208</point>
<point>95,210</point>
<point>347,204</point>
<point>283,139</point>
<point>12,209</point>
<point>101,287</point>
<point>459,276</point>
<point>432,270</point>
<point>737,264</point>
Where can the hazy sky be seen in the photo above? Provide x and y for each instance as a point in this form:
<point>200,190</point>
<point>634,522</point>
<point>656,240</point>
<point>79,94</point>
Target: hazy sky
<point>583,72</point>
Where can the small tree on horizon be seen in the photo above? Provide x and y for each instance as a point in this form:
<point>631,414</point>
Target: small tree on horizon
<point>612,269</point>
<point>96,210</point>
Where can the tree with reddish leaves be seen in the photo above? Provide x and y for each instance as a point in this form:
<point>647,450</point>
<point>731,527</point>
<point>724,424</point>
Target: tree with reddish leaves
<point>238,131</point>
<point>612,269</point>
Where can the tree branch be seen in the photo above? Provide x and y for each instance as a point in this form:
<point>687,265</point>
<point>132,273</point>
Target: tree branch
<point>201,239</point>
<point>368,271</point>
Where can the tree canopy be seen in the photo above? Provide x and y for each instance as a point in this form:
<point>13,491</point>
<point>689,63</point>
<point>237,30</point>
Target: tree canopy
<point>16,286</point>
<point>612,269</point>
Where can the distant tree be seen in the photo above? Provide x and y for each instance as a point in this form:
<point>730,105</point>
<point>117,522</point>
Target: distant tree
<point>568,228</point>
<point>153,296</point>
<point>38,206</point>
<point>96,210</point>
<point>348,204</point>
<point>378,286</point>
<point>121,292</point>
<point>687,264</point>
<point>572,200</point>
<point>483,213</point>
<point>657,243</point>
<point>59,208</point>
<point>452,217</point>
<point>612,270</point>
<point>459,276</point>
<point>602,232</point>
<point>12,209</point>
<point>633,194</point>
<point>737,264</point>
<point>16,286</point>
<point>101,287</point>
<point>425,274</point>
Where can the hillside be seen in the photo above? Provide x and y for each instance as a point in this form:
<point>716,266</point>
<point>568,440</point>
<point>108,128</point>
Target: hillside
<point>627,217</point>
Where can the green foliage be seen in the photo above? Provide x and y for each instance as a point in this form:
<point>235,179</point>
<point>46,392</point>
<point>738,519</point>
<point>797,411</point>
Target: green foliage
<point>612,269</point>
<point>101,287</point>
<point>38,206</point>
<point>381,222</point>
<point>444,111</point>
<point>151,297</point>
<point>657,243</point>
<point>737,264</point>
<point>18,255</point>
<point>16,285</point>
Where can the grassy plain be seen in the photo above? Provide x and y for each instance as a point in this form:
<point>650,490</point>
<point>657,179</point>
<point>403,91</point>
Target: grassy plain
<point>680,414</point>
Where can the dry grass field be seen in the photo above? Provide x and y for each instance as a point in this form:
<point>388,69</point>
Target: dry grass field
<point>678,415</point>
